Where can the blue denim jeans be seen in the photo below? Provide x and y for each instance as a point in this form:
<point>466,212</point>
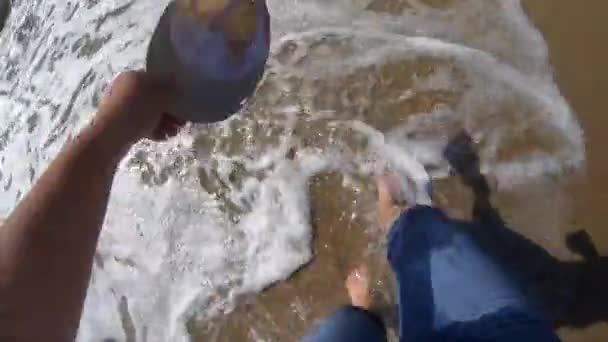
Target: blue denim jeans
<point>448,290</point>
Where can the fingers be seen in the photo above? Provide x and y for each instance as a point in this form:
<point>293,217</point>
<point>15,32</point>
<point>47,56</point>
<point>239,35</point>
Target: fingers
<point>142,92</point>
<point>160,96</point>
<point>162,92</point>
<point>168,127</point>
<point>136,103</point>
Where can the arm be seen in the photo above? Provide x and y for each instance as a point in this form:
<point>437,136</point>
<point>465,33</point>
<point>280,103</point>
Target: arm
<point>48,243</point>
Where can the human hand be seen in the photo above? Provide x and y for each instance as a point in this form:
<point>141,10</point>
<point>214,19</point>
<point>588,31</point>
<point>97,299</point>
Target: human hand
<point>136,106</point>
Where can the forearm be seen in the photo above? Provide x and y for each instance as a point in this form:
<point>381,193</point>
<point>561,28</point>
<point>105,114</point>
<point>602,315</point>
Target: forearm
<point>47,245</point>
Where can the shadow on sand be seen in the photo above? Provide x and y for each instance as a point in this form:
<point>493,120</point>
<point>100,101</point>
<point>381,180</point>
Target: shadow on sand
<point>5,9</point>
<point>572,293</point>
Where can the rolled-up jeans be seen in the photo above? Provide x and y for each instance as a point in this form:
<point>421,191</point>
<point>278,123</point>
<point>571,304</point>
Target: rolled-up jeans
<point>448,290</point>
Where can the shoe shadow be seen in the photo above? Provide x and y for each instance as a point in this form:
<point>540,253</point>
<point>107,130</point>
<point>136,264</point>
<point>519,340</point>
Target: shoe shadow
<point>569,293</point>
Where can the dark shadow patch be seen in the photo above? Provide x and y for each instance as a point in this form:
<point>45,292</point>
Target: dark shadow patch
<point>127,321</point>
<point>87,46</point>
<point>113,13</point>
<point>5,10</point>
<point>570,293</point>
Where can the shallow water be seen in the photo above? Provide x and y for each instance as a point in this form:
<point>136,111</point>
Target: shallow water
<point>209,219</point>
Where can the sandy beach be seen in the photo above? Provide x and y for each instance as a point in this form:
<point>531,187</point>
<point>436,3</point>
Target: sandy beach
<point>576,33</point>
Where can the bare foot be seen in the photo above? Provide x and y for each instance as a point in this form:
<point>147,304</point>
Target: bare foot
<point>357,285</point>
<point>391,201</point>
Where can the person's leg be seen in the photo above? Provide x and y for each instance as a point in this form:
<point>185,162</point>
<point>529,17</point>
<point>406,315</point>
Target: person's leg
<point>506,325</point>
<point>355,322</point>
<point>409,259</point>
<point>443,277</point>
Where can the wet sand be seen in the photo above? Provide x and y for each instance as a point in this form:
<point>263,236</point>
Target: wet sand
<point>576,33</point>
<point>343,240</point>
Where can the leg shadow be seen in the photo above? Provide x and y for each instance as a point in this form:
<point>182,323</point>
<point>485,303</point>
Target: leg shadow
<point>569,293</point>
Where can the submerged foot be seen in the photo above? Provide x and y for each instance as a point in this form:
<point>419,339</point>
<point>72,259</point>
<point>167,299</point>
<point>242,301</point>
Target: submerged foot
<point>357,285</point>
<point>391,201</point>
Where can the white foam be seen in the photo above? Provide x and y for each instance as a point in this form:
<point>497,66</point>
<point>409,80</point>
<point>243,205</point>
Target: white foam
<point>172,250</point>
